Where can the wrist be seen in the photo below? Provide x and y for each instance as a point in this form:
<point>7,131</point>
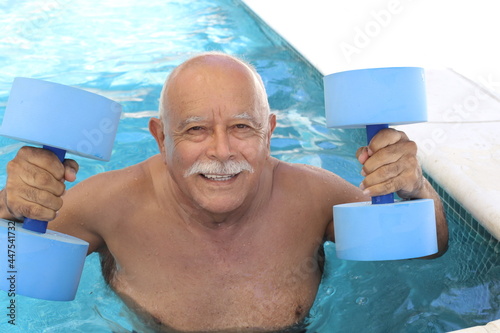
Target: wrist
<point>423,191</point>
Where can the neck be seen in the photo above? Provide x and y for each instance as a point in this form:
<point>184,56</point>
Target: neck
<point>225,224</point>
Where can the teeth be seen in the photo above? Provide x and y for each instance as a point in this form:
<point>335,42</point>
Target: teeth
<point>218,177</point>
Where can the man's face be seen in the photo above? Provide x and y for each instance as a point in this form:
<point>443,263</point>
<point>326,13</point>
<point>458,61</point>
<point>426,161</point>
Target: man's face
<point>218,135</point>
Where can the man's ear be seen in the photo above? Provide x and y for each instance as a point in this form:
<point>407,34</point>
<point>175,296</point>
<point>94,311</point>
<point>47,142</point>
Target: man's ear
<point>157,130</point>
<point>272,126</point>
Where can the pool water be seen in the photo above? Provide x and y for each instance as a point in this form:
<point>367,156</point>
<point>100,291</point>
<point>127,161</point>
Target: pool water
<point>124,50</point>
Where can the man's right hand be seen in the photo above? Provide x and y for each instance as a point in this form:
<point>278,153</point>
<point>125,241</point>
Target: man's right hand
<point>35,184</point>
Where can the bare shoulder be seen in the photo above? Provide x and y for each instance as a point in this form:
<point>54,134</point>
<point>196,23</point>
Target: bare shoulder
<point>112,184</point>
<point>315,191</point>
<point>119,180</point>
<point>319,183</point>
<point>96,205</point>
<point>298,169</point>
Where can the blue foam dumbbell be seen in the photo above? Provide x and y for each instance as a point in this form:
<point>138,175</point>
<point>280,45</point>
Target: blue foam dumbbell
<point>381,229</point>
<point>37,262</point>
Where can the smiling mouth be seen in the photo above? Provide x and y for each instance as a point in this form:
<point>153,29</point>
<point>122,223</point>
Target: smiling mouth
<point>219,178</point>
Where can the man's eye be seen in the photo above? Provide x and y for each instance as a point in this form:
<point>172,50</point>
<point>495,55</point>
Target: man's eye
<point>241,126</point>
<point>196,130</point>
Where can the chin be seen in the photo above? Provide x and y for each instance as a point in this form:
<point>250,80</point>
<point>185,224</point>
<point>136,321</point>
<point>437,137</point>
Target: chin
<point>219,204</point>
<point>223,208</point>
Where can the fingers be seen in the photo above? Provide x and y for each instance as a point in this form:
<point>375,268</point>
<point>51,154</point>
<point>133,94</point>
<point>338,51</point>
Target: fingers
<point>391,159</point>
<point>385,138</point>
<point>70,170</point>
<point>363,154</point>
<point>32,203</point>
<point>392,165</point>
<point>380,183</point>
<point>35,183</point>
<point>39,168</point>
<point>40,158</point>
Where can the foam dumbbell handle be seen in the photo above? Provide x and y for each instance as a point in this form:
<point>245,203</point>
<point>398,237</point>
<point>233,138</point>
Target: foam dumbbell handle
<point>371,131</point>
<point>37,225</point>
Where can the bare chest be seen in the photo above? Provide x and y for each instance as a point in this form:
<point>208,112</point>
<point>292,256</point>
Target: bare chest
<point>188,286</point>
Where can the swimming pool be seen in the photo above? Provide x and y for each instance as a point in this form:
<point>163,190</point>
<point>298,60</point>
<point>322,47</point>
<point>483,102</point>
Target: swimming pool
<point>124,50</point>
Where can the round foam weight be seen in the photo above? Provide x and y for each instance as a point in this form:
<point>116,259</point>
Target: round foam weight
<point>357,98</point>
<point>60,116</point>
<point>401,230</point>
<point>45,266</point>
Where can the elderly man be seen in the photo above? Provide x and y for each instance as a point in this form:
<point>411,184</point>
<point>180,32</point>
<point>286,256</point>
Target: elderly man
<point>212,233</point>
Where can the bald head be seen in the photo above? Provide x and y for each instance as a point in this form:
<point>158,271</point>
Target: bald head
<point>205,71</point>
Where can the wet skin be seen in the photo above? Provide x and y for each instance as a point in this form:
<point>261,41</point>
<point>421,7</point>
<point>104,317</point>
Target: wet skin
<point>211,251</point>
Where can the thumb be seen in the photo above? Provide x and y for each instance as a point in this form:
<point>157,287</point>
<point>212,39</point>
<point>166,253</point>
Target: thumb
<point>70,170</point>
<point>362,154</point>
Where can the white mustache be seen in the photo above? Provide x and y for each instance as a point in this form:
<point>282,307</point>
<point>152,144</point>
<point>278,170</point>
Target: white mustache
<point>218,168</point>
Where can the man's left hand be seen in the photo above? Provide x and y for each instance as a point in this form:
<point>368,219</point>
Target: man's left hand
<point>390,165</point>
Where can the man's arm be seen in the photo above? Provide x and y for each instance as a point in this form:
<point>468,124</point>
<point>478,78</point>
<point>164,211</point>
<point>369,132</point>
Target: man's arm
<point>428,192</point>
<point>390,165</point>
<point>35,189</point>
<point>35,184</point>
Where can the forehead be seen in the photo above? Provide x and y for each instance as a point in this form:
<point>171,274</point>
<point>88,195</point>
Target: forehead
<point>209,89</point>
<point>242,116</point>
<point>181,122</point>
<point>217,76</point>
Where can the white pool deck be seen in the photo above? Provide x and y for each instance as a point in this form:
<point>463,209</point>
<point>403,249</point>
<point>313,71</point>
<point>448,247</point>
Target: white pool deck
<point>459,146</point>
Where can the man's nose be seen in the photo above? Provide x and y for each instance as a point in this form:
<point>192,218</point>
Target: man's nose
<point>220,147</point>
